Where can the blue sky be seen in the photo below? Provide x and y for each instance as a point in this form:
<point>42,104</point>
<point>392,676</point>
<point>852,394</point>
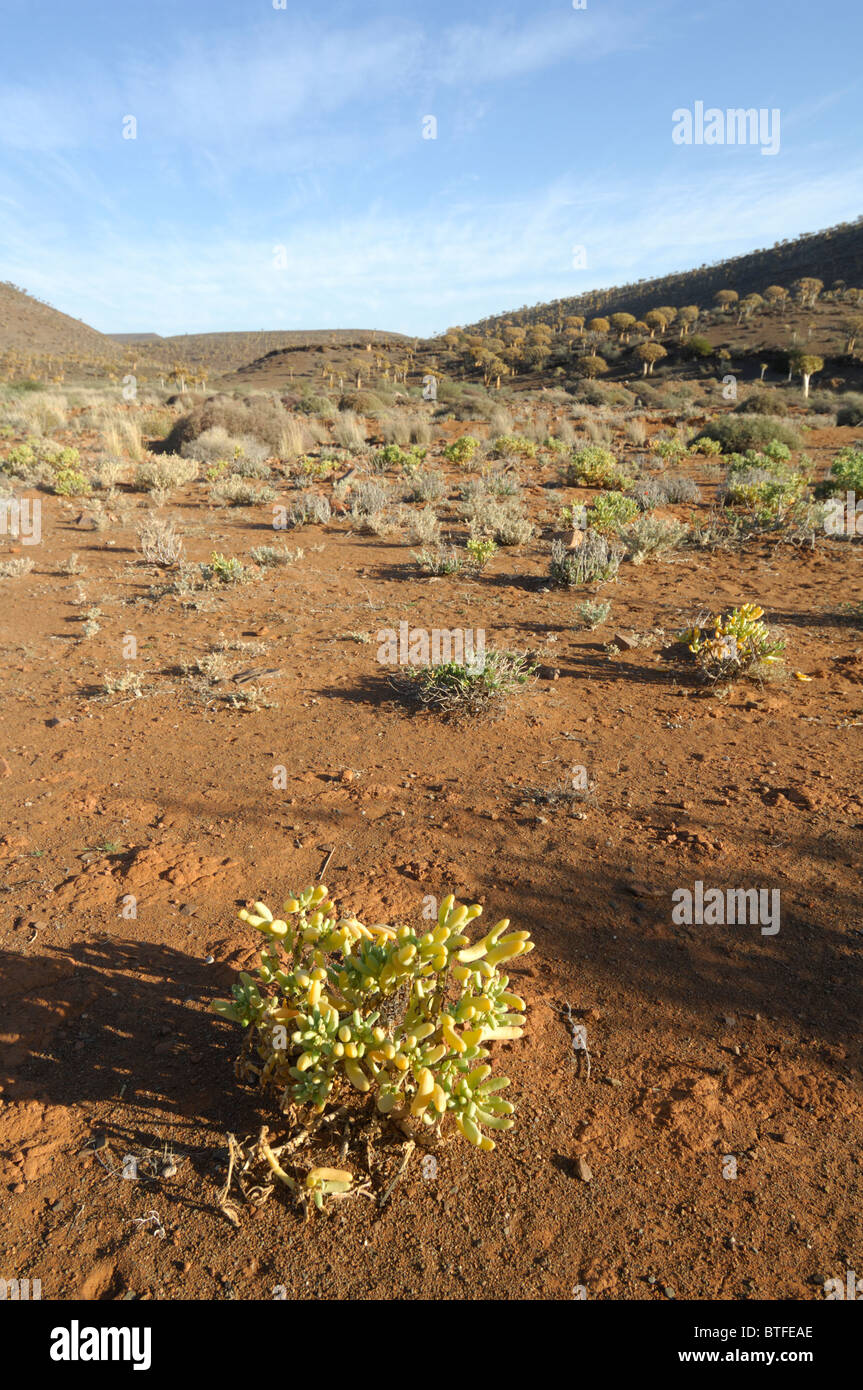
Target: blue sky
<point>302,129</point>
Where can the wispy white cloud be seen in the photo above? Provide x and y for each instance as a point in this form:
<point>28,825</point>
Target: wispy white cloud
<point>287,78</point>
<point>438,267</point>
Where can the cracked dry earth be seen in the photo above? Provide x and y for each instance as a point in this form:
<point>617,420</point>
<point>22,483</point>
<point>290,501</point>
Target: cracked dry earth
<point>714,1050</point>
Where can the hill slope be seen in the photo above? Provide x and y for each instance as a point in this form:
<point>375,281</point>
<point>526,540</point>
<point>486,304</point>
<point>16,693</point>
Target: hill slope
<point>830,255</point>
<point>225,353</point>
<point>34,329</point>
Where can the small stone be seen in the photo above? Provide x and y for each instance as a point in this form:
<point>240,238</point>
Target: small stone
<point>669,1291</point>
<point>208,960</point>
<point>582,1169</point>
<point>625,643</point>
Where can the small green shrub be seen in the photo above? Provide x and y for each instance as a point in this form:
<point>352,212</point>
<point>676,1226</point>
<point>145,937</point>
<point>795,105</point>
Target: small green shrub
<point>846,472</point>
<point>514,446</point>
<point>736,433</point>
<point>766,486</point>
<point>223,569</point>
<point>594,466</point>
<point>481,549</point>
<point>314,469</point>
<point>703,445</point>
<point>22,456</point>
<point>673,448</point>
<point>394,456</point>
<point>70,482</point>
<point>610,511</point>
<point>461,450</point>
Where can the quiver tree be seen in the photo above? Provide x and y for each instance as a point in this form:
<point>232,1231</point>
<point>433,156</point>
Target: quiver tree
<point>599,325</point>
<point>623,325</point>
<point>853,331</point>
<point>655,319</point>
<point>805,364</point>
<point>807,289</point>
<point>723,299</point>
<point>748,306</point>
<point>649,354</point>
<point>591,366</point>
<point>775,294</point>
<point>687,317</point>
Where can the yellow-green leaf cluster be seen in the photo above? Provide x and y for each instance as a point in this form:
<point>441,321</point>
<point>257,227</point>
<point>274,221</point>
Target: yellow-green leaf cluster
<point>315,1008</point>
<point>738,641</point>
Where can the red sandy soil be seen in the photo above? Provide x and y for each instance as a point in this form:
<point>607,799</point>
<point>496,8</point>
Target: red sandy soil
<point>704,1041</point>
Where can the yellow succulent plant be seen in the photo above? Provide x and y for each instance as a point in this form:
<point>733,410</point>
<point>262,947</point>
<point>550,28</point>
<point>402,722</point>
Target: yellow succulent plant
<point>738,641</point>
<point>314,1006</point>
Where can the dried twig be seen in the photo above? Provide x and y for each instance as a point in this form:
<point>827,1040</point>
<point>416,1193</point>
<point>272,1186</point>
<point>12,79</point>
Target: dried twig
<point>227,1208</point>
<point>410,1148</point>
<point>326,863</point>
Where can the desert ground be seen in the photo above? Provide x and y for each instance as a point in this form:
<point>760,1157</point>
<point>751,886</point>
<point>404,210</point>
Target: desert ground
<point>196,717</point>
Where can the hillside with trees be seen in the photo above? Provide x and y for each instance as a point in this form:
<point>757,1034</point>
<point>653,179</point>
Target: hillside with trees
<point>834,256</point>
